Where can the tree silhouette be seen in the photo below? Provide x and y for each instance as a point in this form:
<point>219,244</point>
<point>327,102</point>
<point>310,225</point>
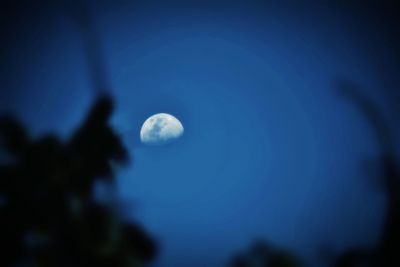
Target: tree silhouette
<point>387,251</point>
<point>48,214</point>
<point>262,254</point>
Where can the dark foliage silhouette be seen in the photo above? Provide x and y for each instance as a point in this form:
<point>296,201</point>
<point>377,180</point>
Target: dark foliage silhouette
<point>48,216</point>
<point>262,254</point>
<point>387,251</point>
<point>48,213</point>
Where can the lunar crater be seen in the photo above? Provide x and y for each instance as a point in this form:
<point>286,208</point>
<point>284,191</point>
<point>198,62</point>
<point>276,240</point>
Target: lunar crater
<point>160,129</point>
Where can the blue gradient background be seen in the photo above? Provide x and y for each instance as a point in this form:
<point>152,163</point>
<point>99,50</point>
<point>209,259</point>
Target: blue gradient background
<point>270,148</point>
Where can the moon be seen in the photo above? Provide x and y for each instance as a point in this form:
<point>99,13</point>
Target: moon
<point>160,129</point>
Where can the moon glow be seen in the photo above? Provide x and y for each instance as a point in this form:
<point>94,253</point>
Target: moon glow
<point>161,128</point>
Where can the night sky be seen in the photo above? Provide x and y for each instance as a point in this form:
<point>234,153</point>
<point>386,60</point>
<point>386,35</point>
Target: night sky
<point>271,149</point>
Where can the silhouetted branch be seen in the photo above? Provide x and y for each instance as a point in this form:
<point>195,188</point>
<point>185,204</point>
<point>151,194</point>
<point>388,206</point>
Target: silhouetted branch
<point>387,252</point>
<point>48,213</point>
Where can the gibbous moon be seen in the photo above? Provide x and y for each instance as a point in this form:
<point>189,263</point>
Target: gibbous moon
<point>160,129</point>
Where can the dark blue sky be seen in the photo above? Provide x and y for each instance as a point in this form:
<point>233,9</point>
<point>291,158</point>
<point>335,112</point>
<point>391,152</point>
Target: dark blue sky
<point>270,148</point>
